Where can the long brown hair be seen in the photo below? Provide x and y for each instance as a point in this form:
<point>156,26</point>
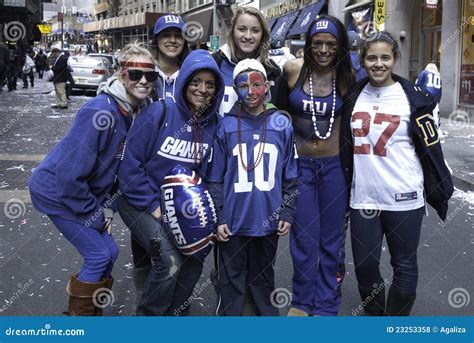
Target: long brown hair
<point>262,50</point>
<point>344,75</point>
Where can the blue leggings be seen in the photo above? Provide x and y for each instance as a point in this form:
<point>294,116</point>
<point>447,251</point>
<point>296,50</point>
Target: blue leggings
<point>316,236</point>
<point>99,250</point>
<point>402,232</point>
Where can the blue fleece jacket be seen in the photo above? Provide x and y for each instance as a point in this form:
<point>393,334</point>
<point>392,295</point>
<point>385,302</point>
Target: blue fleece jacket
<point>163,138</point>
<point>75,178</point>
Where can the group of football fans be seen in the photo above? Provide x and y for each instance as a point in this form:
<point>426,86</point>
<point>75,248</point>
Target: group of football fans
<point>279,151</point>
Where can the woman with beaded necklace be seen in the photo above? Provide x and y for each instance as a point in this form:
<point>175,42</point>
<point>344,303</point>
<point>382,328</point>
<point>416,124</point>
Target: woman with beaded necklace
<point>316,86</point>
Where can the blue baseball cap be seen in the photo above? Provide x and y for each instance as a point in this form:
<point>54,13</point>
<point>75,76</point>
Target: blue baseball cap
<point>167,21</point>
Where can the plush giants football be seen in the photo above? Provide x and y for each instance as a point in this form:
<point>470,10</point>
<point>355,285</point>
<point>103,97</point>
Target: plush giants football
<point>188,211</point>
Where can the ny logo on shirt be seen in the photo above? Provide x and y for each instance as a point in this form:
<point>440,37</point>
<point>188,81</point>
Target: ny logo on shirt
<point>319,108</point>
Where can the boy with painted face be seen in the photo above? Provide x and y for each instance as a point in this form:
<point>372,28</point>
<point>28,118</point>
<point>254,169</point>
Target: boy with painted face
<point>253,179</point>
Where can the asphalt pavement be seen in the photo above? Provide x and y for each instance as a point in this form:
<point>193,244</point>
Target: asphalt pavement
<point>36,261</point>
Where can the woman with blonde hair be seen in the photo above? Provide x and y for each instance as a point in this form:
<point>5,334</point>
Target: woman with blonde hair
<point>249,37</point>
<point>75,184</point>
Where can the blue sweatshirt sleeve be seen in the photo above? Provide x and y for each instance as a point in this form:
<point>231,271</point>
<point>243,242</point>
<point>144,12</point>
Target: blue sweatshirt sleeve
<point>217,164</point>
<point>75,164</point>
<point>140,190</point>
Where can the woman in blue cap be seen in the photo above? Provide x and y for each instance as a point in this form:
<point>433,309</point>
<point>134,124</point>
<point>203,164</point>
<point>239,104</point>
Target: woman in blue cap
<point>171,50</point>
<point>316,86</point>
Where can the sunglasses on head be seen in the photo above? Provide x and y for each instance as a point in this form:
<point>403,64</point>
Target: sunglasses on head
<point>136,75</point>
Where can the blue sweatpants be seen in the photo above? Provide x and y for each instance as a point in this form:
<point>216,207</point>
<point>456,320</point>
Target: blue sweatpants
<point>316,236</point>
<point>98,250</point>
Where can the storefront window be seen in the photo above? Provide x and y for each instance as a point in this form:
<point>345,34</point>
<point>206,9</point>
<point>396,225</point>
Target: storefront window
<point>466,89</point>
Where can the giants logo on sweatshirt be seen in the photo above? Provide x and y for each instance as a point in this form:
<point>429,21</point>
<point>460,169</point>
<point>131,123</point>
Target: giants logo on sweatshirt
<point>181,150</point>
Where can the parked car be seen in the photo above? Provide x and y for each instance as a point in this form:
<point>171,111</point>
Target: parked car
<point>112,59</point>
<point>88,72</point>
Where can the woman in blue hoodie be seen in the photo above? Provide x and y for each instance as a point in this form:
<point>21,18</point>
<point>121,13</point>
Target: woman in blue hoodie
<point>74,184</point>
<point>171,50</point>
<point>169,133</point>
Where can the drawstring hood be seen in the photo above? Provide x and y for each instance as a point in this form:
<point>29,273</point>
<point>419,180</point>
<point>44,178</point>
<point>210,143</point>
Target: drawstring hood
<point>115,88</point>
<point>196,61</point>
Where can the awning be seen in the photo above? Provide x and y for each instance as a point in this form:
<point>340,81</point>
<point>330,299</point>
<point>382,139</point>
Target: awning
<point>138,19</point>
<point>58,31</point>
<point>284,23</point>
<point>306,17</point>
<point>271,22</point>
<point>353,4</point>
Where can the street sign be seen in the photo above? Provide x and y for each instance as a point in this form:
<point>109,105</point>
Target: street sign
<point>45,28</point>
<point>215,42</point>
<point>14,3</point>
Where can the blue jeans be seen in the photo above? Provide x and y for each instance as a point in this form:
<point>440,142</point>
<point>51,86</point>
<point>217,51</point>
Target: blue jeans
<point>173,276</point>
<point>402,232</point>
<point>99,250</point>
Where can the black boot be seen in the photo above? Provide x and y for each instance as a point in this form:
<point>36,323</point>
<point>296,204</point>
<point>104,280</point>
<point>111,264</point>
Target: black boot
<point>373,300</point>
<point>398,303</point>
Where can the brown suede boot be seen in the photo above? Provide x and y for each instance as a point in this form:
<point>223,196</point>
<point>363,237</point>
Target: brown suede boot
<point>81,297</point>
<point>105,296</point>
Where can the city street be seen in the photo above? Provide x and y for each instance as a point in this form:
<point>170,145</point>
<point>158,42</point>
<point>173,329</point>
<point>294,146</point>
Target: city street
<point>36,261</point>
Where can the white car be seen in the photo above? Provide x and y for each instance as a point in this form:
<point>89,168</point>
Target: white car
<point>88,72</point>
<point>111,58</point>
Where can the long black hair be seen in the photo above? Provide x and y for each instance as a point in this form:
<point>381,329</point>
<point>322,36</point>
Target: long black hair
<point>344,75</point>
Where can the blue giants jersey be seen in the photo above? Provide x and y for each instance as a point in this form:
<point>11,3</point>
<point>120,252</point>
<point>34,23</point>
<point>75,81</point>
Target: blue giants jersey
<point>430,81</point>
<point>252,199</point>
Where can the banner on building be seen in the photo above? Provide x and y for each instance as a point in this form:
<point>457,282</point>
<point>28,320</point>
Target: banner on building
<point>380,14</point>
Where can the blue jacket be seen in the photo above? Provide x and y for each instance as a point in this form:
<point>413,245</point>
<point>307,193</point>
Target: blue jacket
<point>75,178</point>
<point>162,137</point>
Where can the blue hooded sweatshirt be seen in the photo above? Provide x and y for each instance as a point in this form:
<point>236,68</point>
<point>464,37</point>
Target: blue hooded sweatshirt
<point>162,138</point>
<point>77,176</point>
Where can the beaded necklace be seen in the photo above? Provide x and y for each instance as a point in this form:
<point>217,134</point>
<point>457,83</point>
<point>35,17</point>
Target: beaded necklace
<point>262,146</point>
<point>197,131</point>
<point>313,112</point>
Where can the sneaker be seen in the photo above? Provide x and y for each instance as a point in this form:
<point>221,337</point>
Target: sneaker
<point>63,107</point>
<point>296,312</point>
<point>54,106</point>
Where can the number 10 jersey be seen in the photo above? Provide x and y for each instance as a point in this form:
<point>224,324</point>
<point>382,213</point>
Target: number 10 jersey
<point>253,198</point>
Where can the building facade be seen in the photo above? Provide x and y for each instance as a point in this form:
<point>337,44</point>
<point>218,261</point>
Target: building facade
<point>439,31</point>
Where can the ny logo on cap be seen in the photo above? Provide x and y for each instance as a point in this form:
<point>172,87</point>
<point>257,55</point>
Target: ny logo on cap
<point>171,19</point>
<point>322,25</point>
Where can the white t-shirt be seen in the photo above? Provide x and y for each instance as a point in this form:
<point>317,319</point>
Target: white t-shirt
<point>387,172</point>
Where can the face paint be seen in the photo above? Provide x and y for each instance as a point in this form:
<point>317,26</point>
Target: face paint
<point>251,88</point>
